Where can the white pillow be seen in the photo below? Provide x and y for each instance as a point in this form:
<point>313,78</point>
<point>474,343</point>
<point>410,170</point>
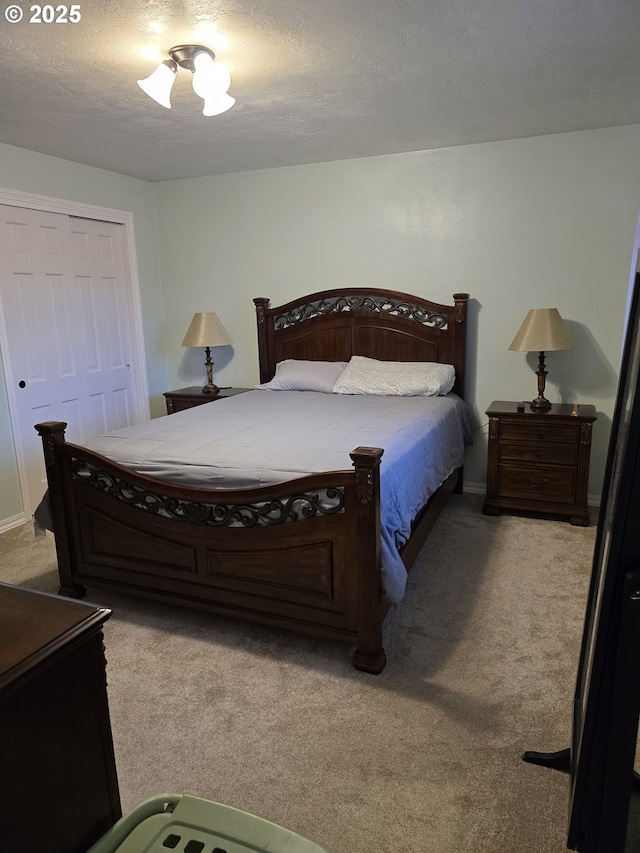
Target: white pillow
<point>401,378</point>
<point>297,375</point>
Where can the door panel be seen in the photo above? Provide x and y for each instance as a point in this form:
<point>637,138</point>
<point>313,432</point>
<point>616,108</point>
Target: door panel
<point>100,274</point>
<point>65,310</point>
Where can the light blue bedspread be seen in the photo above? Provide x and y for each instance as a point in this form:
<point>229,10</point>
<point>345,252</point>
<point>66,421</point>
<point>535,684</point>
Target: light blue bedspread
<point>265,437</point>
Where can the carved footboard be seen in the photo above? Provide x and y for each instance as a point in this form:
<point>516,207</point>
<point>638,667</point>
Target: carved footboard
<point>303,555</point>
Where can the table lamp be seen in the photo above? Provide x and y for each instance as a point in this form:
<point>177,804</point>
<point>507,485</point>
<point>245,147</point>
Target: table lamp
<point>542,330</point>
<point>207,331</point>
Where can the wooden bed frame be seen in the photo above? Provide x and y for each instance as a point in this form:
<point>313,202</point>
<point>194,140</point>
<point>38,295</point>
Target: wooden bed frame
<point>303,554</point>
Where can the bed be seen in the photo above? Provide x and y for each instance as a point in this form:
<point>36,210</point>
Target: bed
<point>298,547</point>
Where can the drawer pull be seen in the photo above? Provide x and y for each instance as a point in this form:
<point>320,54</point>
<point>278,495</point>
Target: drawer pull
<point>537,454</point>
<point>539,433</point>
<point>533,485</point>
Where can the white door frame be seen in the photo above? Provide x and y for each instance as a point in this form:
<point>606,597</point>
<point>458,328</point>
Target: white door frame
<point>16,198</point>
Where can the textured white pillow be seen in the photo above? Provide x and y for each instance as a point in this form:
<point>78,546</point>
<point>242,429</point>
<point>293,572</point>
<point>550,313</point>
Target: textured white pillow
<point>298,375</point>
<point>401,378</point>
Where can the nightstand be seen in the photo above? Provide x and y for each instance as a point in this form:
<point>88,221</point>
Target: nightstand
<point>187,398</point>
<point>538,460</point>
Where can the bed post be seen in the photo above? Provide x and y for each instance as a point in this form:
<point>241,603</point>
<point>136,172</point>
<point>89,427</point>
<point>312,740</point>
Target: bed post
<point>52,435</point>
<point>265,339</point>
<point>369,656</point>
<point>461,301</point>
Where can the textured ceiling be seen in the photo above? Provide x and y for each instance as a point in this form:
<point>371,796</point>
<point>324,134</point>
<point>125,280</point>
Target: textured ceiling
<point>315,80</point>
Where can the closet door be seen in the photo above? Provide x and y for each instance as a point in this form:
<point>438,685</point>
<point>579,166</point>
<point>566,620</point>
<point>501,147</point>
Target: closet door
<point>105,342</point>
<point>66,319</point>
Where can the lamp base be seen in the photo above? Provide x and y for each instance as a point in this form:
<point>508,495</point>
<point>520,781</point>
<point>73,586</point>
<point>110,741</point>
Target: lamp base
<point>540,403</point>
<point>209,388</point>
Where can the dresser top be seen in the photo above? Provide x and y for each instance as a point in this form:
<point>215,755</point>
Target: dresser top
<point>34,624</point>
<point>558,410</point>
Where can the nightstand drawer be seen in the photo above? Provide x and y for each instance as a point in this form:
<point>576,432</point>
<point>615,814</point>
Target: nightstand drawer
<point>560,454</point>
<point>187,398</point>
<point>510,431</point>
<point>550,485</point>
<point>179,405</point>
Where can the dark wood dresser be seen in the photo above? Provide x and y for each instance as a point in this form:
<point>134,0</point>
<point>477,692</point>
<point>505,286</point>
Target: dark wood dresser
<point>187,398</point>
<point>538,460</point>
<point>58,782</point>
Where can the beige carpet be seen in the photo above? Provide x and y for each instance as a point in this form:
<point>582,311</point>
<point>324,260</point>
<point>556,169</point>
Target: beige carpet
<point>425,757</point>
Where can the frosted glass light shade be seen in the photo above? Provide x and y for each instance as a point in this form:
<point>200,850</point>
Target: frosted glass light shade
<point>542,330</point>
<point>206,330</point>
<point>218,104</point>
<point>211,82</point>
<point>158,84</point>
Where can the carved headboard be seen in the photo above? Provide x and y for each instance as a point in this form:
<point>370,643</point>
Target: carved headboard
<point>333,325</point>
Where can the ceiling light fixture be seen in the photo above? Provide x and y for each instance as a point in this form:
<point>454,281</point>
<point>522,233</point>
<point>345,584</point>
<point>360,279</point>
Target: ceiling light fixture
<point>210,82</point>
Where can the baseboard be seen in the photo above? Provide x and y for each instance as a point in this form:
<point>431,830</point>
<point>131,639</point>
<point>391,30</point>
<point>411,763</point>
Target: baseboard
<point>474,488</point>
<point>14,521</point>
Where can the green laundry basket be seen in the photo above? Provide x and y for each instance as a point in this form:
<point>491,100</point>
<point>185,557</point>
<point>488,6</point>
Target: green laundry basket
<point>189,824</point>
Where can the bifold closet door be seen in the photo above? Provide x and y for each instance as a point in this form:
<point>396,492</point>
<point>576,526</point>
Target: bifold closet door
<point>65,311</point>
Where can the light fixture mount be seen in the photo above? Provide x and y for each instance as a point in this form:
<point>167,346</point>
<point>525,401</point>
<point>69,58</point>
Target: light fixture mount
<point>185,54</point>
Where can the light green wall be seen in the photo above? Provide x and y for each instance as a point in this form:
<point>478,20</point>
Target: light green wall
<point>541,222</point>
<point>41,175</point>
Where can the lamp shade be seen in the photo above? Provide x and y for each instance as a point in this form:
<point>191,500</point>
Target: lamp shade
<point>542,330</point>
<point>217,105</point>
<point>211,82</point>
<point>206,330</point>
<point>158,84</point>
